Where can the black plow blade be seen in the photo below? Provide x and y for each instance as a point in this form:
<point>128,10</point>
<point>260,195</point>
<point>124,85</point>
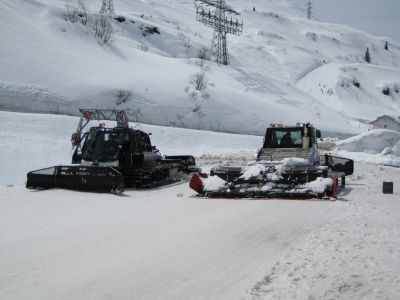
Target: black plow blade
<point>82,178</point>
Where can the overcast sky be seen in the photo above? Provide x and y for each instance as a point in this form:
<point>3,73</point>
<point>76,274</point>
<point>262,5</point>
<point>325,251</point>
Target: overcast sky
<point>379,17</point>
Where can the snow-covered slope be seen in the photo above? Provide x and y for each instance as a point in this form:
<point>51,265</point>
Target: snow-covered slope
<point>352,91</point>
<point>51,65</point>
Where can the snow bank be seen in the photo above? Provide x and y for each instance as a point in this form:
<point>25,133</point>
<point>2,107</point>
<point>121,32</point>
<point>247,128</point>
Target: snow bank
<point>379,146</point>
<point>373,142</point>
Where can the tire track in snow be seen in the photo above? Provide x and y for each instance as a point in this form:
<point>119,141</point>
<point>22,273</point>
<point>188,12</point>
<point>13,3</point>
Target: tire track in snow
<point>356,256</point>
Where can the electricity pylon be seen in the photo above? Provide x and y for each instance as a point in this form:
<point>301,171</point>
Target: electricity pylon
<point>222,26</point>
<point>309,10</point>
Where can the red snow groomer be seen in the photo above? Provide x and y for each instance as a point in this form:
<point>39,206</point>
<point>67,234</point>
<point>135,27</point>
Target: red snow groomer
<point>110,159</point>
<point>287,166</point>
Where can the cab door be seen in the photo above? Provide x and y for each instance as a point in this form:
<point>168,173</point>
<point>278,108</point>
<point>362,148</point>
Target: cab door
<point>78,153</point>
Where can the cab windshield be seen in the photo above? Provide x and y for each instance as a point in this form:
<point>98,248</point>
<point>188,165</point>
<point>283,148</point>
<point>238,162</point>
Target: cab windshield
<point>101,145</point>
<point>284,138</point>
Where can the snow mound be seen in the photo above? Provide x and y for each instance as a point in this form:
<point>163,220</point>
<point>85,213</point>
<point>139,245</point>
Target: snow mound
<point>253,170</point>
<point>295,162</point>
<point>319,185</point>
<point>379,146</point>
<point>212,183</point>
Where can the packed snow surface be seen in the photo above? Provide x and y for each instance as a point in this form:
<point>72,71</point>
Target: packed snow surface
<point>167,244</point>
<point>353,256</point>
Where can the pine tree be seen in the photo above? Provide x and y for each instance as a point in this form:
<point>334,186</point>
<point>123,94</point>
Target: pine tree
<point>367,56</point>
<point>386,46</point>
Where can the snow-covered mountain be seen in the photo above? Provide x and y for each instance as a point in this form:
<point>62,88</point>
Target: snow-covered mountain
<point>284,68</point>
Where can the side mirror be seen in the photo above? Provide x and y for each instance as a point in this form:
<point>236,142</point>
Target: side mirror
<point>75,140</point>
<point>318,133</point>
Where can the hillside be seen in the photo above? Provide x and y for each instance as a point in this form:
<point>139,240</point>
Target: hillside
<point>284,68</point>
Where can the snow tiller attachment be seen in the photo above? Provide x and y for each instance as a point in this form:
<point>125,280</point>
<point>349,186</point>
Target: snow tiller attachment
<point>110,159</point>
<point>287,166</point>
<point>99,179</point>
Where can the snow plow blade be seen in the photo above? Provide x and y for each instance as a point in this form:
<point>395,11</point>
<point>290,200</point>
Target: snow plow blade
<point>338,164</point>
<point>82,178</point>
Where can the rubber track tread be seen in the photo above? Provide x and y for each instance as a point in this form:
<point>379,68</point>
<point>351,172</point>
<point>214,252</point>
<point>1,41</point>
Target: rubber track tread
<point>149,176</point>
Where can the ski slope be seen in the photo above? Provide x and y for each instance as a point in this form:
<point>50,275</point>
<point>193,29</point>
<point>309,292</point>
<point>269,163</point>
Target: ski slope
<point>167,244</point>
